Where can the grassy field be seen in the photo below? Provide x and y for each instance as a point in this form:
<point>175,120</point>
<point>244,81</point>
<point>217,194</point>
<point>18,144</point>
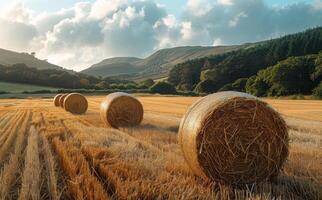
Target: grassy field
<point>47,153</point>
<point>18,88</point>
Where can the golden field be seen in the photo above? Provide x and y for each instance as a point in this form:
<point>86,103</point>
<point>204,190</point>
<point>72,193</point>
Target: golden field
<point>47,153</point>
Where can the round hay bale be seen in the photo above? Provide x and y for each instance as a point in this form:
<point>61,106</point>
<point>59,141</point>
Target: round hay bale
<point>75,103</point>
<point>233,138</point>
<point>121,110</point>
<point>56,100</point>
<point>61,100</point>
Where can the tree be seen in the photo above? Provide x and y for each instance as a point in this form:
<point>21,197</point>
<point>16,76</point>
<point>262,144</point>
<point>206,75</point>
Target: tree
<point>84,82</point>
<point>147,83</point>
<point>163,88</point>
<point>206,86</point>
<point>226,68</point>
<point>318,91</point>
<point>102,85</point>
<point>184,87</point>
<point>256,86</point>
<point>238,85</point>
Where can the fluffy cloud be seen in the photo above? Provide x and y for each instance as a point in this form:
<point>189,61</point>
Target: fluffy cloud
<point>86,33</point>
<point>16,31</point>
<point>198,7</point>
<point>16,35</point>
<point>240,21</point>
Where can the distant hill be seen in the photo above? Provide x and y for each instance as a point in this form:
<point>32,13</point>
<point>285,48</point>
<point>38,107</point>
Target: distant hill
<point>9,58</point>
<point>156,65</point>
<point>113,67</point>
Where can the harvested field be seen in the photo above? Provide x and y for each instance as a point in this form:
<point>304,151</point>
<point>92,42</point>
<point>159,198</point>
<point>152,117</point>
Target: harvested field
<point>48,153</point>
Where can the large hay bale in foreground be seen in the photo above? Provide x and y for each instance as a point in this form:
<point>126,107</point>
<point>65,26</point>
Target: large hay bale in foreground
<point>75,103</point>
<point>233,138</point>
<point>61,100</point>
<point>121,110</point>
<point>56,100</point>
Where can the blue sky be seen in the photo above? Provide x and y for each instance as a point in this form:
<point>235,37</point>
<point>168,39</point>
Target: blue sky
<point>81,34</point>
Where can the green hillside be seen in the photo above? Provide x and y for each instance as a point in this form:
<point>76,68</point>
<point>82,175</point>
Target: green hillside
<point>18,87</point>
<point>231,71</point>
<point>157,65</point>
<point>8,58</point>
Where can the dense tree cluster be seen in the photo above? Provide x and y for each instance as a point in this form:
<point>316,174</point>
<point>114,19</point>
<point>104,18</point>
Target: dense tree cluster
<point>295,75</point>
<point>230,71</point>
<point>163,88</point>
<point>318,91</point>
<point>20,73</point>
<point>69,80</point>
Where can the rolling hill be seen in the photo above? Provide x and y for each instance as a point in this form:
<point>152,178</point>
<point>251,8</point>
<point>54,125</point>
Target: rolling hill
<point>9,58</point>
<point>156,65</point>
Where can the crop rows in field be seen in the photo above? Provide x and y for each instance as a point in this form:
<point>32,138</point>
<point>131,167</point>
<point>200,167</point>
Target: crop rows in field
<point>50,154</point>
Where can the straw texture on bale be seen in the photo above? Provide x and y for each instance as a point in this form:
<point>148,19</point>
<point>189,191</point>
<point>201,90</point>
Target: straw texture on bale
<point>56,100</point>
<point>61,100</point>
<point>121,110</point>
<point>75,103</point>
<point>233,138</point>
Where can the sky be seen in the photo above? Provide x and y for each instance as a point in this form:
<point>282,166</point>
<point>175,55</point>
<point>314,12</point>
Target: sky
<point>76,34</point>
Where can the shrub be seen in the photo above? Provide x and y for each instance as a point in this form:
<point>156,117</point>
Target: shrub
<point>317,92</point>
<point>184,87</point>
<point>130,86</point>
<point>146,83</point>
<point>3,92</point>
<point>163,88</point>
<point>102,85</point>
<point>238,85</point>
<point>206,86</point>
<point>256,86</point>
<point>39,92</point>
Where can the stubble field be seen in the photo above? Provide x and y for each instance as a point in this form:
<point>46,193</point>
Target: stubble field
<point>47,153</point>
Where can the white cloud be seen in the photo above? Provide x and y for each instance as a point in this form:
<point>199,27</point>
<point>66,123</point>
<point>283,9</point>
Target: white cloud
<point>17,12</point>
<point>233,22</point>
<point>86,33</point>
<point>217,42</point>
<point>170,21</point>
<point>103,8</point>
<point>198,7</point>
<point>318,4</point>
<point>186,30</point>
<point>46,21</point>
<point>226,2</point>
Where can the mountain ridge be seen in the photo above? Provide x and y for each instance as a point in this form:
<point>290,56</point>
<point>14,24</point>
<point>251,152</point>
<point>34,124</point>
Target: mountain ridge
<point>157,64</point>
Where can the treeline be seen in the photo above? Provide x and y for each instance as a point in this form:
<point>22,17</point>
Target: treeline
<point>71,81</point>
<point>20,73</point>
<point>232,71</point>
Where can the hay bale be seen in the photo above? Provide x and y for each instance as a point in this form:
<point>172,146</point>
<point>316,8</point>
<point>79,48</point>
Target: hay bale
<point>233,138</point>
<point>56,100</point>
<point>75,103</point>
<point>121,110</point>
<point>61,100</point>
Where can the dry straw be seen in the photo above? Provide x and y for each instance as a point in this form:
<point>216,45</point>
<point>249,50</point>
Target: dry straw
<point>233,138</point>
<point>56,100</point>
<point>61,100</point>
<point>121,110</point>
<point>75,103</point>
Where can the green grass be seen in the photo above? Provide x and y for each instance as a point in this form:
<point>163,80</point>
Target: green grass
<point>19,88</point>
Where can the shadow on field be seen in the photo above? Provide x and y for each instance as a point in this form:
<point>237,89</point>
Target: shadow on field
<point>282,187</point>
<point>149,126</point>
